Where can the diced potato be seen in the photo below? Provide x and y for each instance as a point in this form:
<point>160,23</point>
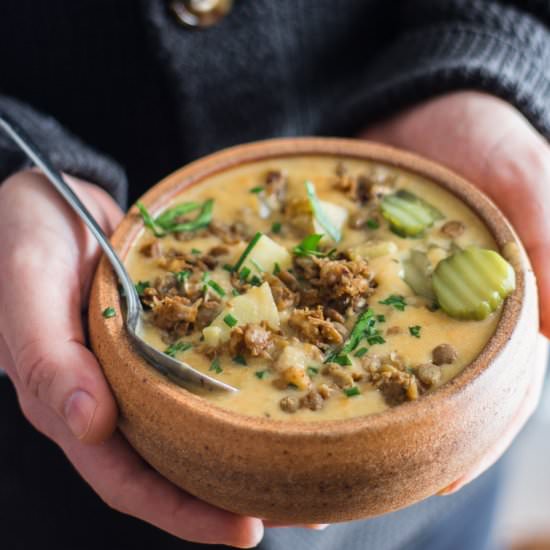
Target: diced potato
<point>265,254</point>
<point>255,306</point>
<point>372,249</point>
<point>337,215</point>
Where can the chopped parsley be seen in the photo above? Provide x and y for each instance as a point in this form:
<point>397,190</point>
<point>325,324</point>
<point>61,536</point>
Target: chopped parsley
<point>350,392</point>
<point>415,331</point>
<point>373,224</point>
<point>255,280</point>
<point>375,338</point>
<point>227,267</point>
<point>216,287</point>
<point>276,227</point>
<point>256,190</point>
<point>363,326</point>
<point>276,269</point>
<point>312,371</point>
<point>172,349</point>
<point>167,221</point>
<point>244,273</point>
<point>196,251</point>
<point>360,352</point>
<point>181,276</point>
<point>109,312</point>
<point>396,301</point>
<point>342,359</point>
<point>215,366</point>
<point>253,242</point>
<point>310,247</point>
<point>319,213</point>
<point>240,360</point>
<point>141,286</point>
<point>229,320</point>
<point>381,318</point>
<point>260,374</point>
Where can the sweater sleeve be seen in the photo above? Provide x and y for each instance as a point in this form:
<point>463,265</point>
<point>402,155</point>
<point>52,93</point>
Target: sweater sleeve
<point>500,47</point>
<point>68,153</point>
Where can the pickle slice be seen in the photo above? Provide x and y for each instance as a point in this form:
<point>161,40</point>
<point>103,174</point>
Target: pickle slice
<point>473,283</point>
<point>409,215</point>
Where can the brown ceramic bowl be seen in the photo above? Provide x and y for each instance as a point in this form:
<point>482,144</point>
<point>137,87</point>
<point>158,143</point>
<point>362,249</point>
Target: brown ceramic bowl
<point>302,472</point>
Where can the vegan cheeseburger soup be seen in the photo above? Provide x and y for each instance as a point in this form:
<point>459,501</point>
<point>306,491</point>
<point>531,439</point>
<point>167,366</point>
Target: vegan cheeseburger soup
<point>320,288</point>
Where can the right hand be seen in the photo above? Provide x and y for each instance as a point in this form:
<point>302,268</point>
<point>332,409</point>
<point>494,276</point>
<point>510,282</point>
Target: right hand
<point>47,260</point>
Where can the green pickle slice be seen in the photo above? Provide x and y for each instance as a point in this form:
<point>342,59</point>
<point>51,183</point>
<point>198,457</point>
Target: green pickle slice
<point>473,283</point>
<point>408,215</point>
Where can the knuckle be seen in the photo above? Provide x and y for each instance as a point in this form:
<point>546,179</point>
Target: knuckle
<point>36,370</point>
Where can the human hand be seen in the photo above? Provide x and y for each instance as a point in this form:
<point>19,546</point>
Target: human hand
<point>491,144</point>
<point>47,260</point>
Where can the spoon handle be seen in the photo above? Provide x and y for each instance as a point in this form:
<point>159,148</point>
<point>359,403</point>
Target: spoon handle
<point>22,139</point>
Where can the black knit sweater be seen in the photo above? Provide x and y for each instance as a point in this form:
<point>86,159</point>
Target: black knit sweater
<point>115,87</point>
<point>116,91</point>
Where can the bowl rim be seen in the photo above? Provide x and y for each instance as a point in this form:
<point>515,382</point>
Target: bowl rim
<point>195,172</point>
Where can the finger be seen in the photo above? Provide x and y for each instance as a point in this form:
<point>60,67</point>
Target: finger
<point>125,483</point>
<point>40,304</point>
<point>526,409</point>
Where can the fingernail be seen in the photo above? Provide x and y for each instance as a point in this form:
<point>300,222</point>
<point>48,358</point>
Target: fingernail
<point>79,412</point>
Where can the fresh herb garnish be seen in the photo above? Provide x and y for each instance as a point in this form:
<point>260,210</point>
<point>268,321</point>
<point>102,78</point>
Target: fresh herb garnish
<point>260,374</point>
<point>203,218</point>
<point>381,318</point>
<point>109,312</point>
<point>172,349</point>
<point>276,269</point>
<point>342,359</point>
<point>240,360</point>
<point>375,338</point>
<point>216,287</point>
<point>364,323</point>
<point>166,219</point>
<point>256,190</point>
<point>215,366</point>
<point>229,320</point>
<point>141,286</point>
<point>245,272</point>
<point>227,267</point>
<point>181,276</point>
<point>396,301</point>
<point>247,250</point>
<point>310,246</point>
<point>415,331</point>
<point>255,280</point>
<point>360,352</point>
<point>312,371</point>
<point>166,222</point>
<point>149,221</point>
<point>276,227</point>
<point>320,214</point>
<point>373,224</point>
<point>196,251</point>
<point>235,292</point>
<point>350,392</point>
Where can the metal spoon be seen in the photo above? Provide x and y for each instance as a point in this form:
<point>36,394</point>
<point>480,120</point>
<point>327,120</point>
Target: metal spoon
<point>176,370</point>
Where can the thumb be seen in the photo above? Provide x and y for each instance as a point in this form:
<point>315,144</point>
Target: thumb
<point>45,339</point>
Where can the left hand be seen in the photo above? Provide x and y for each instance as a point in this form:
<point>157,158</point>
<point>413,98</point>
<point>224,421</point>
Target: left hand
<point>491,144</point>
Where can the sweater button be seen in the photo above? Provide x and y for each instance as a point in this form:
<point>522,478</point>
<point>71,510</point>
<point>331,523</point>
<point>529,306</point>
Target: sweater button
<point>200,13</point>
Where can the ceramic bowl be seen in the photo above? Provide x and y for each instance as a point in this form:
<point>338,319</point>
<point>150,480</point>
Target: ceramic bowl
<point>300,472</point>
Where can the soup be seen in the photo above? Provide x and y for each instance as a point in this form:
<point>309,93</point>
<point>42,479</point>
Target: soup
<point>321,288</point>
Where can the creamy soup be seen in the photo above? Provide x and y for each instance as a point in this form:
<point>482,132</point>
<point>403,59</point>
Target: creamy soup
<point>320,288</point>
